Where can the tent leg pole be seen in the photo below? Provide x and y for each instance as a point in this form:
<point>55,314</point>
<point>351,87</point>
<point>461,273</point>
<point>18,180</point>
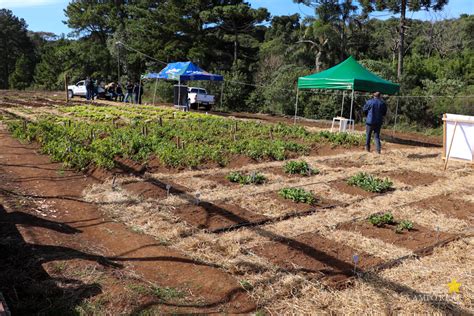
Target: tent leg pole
<point>179,92</point>
<point>342,105</point>
<point>154,93</point>
<point>352,106</point>
<point>396,116</point>
<point>296,104</point>
<point>139,91</point>
<point>222,95</point>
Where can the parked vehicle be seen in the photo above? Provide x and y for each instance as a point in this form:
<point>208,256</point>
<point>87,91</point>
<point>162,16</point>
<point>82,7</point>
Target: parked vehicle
<point>79,89</point>
<point>198,96</point>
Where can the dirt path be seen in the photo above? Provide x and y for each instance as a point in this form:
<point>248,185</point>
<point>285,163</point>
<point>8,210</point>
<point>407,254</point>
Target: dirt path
<point>87,235</point>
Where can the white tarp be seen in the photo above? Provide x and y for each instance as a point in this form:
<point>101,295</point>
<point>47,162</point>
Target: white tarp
<point>462,146</point>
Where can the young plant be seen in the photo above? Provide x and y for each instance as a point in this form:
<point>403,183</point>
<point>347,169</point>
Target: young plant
<point>404,225</point>
<point>297,195</point>
<point>299,167</point>
<point>253,178</point>
<point>380,219</point>
<point>370,183</point>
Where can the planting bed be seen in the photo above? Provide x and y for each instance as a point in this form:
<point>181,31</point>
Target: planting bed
<point>313,254</point>
<point>449,205</point>
<point>217,216</point>
<point>280,254</point>
<point>343,187</point>
<point>417,239</point>
<point>413,178</point>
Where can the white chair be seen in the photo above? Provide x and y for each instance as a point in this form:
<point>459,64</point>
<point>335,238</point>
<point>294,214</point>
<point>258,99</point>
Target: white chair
<point>343,124</point>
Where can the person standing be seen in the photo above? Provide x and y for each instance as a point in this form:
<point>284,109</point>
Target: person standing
<point>375,109</point>
<point>89,84</point>
<point>129,94</point>
<point>138,93</point>
<point>119,93</point>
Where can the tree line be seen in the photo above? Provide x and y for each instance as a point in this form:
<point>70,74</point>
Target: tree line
<point>261,56</point>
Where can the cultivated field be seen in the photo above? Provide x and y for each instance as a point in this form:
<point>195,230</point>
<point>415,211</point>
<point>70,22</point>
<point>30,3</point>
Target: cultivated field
<point>167,175</point>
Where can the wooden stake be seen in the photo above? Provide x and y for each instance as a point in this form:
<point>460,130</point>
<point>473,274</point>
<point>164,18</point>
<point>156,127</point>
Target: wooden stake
<point>450,146</point>
<point>65,88</point>
<point>161,121</point>
<point>444,134</point>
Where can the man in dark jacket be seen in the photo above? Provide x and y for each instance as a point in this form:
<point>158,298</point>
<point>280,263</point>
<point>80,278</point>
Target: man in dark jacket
<point>375,109</point>
<point>89,88</point>
<point>138,93</point>
<point>129,94</point>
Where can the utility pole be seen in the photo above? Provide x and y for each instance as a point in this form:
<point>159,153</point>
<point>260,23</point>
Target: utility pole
<point>401,46</point>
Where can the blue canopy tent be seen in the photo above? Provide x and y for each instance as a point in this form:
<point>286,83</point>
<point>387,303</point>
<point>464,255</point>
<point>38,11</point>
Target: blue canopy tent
<point>182,71</point>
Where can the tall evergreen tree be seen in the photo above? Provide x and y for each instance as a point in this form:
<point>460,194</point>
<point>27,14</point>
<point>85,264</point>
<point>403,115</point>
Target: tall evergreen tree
<point>14,43</point>
<point>401,6</point>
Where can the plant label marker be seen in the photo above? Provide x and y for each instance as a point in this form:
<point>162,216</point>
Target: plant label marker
<point>114,185</point>
<point>168,188</point>
<point>355,258</point>
<point>198,195</point>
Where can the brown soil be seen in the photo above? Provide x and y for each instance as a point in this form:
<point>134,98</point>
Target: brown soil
<point>331,150</point>
<point>279,171</point>
<point>218,178</point>
<point>217,216</point>
<point>145,190</point>
<point>314,254</point>
<point>239,161</point>
<point>342,186</point>
<point>448,205</point>
<point>416,239</point>
<point>343,163</point>
<point>99,239</point>
<point>297,208</point>
<point>413,178</point>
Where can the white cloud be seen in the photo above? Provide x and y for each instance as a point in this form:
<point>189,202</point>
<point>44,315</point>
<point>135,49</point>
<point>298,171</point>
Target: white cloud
<point>26,3</point>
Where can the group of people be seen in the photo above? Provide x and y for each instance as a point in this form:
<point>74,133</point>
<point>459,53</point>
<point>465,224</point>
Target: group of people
<point>132,92</point>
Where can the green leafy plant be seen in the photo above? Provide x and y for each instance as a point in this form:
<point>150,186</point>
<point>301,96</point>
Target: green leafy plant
<point>370,183</point>
<point>253,178</point>
<point>381,219</point>
<point>299,167</point>
<point>404,225</point>
<point>297,195</point>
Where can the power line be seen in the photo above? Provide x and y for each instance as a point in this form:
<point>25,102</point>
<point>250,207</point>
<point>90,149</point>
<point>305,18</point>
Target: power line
<point>139,52</point>
<point>283,89</point>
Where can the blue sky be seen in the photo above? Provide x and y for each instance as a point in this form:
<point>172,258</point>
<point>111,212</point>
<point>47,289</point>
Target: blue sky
<point>47,15</point>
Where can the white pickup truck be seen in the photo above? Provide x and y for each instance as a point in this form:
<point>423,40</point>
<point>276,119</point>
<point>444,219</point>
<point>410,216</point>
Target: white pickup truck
<point>199,96</point>
<point>79,89</point>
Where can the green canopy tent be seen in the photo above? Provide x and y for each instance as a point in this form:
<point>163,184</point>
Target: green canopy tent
<point>348,75</point>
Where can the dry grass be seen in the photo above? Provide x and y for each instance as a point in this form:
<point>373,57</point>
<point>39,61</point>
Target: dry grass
<point>395,290</point>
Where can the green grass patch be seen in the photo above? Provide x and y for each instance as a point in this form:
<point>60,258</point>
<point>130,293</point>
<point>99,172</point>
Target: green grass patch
<point>162,293</point>
<point>404,225</point>
<point>299,167</point>
<point>297,195</point>
<point>381,219</point>
<point>176,139</point>
<point>370,183</point>
<point>252,178</point>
